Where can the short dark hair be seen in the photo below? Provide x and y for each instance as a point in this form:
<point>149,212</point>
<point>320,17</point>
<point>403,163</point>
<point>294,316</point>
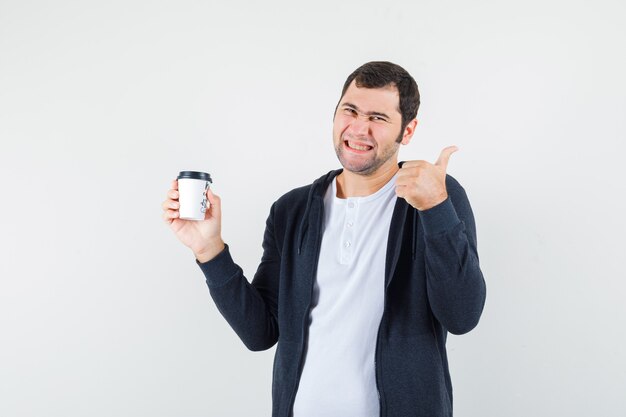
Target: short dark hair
<point>379,74</point>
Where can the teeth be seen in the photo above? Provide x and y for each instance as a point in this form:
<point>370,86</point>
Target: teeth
<point>358,147</point>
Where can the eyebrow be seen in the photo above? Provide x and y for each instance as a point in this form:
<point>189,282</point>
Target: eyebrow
<point>369,113</point>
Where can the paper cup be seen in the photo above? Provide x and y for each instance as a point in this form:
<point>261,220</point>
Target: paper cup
<point>192,187</point>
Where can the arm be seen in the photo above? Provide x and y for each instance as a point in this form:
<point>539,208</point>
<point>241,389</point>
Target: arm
<point>455,283</point>
<point>250,308</point>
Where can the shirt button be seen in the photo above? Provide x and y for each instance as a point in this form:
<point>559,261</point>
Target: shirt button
<point>349,224</point>
<point>347,244</point>
<point>351,204</point>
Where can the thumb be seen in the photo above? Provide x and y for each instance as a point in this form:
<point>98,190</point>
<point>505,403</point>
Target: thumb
<point>216,203</point>
<point>444,157</point>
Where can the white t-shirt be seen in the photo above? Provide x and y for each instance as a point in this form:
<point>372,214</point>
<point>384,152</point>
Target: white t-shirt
<point>338,378</point>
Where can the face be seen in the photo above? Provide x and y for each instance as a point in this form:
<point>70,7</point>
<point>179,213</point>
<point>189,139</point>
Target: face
<point>367,129</point>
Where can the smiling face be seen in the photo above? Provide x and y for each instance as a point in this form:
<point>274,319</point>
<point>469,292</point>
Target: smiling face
<point>367,129</point>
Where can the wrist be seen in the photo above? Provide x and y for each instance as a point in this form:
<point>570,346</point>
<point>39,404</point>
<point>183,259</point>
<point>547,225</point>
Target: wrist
<point>210,251</point>
<point>434,202</point>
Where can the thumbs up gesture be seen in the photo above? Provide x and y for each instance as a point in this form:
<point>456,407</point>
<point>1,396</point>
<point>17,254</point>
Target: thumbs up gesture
<point>422,184</point>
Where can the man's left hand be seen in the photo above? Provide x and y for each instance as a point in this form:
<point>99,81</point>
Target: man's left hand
<point>422,184</point>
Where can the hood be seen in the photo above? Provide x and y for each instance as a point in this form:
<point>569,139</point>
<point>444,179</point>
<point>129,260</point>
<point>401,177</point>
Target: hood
<point>318,187</point>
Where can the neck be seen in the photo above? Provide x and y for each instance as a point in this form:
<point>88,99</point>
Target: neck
<point>350,184</point>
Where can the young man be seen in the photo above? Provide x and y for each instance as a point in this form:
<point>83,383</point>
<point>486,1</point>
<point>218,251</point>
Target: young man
<point>363,272</point>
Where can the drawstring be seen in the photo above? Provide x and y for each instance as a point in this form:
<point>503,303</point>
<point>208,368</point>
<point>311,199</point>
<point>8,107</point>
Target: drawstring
<point>304,224</point>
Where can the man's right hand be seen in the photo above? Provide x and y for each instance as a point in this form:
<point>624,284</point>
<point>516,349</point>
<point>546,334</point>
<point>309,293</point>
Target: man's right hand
<point>203,237</point>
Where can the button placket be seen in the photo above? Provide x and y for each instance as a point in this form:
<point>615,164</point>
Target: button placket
<point>348,233</point>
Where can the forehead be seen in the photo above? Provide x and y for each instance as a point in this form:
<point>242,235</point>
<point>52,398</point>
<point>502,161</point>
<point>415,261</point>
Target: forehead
<point>382,100</point>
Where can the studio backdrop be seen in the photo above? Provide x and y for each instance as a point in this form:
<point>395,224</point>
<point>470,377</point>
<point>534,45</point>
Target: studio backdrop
<point>103,312</point>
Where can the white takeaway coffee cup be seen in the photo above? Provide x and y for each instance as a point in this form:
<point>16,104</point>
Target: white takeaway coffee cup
<point>192,187</point>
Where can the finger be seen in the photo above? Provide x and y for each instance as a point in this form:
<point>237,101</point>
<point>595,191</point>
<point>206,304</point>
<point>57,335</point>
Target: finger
<point>402,177</point>
<point>170,215</point>
<point>406,181</point>
<point>409,172</point>
<point>175,184</point>
<point>444,157</point>
<point>173,194</point>
<point>213,198</point>
<point>400,191</point>
<point>411,164</point>
<point>170,204</point>
<point>216,202</point>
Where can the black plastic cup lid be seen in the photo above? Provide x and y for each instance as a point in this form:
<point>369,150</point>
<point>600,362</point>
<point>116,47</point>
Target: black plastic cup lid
<point>195,175</point>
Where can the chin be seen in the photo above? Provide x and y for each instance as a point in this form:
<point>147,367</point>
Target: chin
<point>360,169</point>
<point>363,167</point>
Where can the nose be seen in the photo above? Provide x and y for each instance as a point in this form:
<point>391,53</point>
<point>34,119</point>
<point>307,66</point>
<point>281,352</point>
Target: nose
<point>360,126</point>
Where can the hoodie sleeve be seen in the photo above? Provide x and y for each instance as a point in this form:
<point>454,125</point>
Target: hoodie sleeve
<point>455,283</point>
<point>249,308</point>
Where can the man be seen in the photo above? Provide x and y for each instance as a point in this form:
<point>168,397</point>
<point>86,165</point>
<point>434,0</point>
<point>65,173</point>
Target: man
<point>363,272</point>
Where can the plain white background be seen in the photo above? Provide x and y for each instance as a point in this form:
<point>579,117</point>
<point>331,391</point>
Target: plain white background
<point>104,313</point>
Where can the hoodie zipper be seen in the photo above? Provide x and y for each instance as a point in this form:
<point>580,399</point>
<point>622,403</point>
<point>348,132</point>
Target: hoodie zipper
<point>378,372</point>
<point>305,332</point>
<point>376,369</point>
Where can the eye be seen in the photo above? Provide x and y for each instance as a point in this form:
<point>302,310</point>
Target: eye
<point>377,119</point>
<point>348,110</point>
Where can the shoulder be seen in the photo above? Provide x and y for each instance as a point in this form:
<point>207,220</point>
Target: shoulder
<point>295,196</point>
<point>303,195</point>
<point>292,207</point>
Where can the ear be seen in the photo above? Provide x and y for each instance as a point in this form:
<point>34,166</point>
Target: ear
<point>408,132</point>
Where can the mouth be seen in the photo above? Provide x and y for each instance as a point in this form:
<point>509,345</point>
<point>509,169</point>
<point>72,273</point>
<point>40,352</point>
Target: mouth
<point>357,147</point>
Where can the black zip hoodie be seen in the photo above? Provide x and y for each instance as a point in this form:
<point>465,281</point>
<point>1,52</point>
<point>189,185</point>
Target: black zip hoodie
<point>433,285</point>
